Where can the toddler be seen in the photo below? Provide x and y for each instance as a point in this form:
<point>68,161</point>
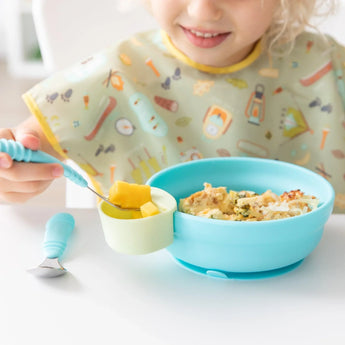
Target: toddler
<point>221,78</point>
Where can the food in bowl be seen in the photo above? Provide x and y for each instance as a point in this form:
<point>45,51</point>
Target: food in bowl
<point>135,198</point>
<point>217,203</point>
<point>244,249</point>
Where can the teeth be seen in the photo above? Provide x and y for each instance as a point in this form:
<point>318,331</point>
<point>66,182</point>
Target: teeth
<point>202,34</point>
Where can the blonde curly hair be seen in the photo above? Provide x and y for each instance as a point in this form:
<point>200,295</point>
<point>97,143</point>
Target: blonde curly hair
<point>292,18</point>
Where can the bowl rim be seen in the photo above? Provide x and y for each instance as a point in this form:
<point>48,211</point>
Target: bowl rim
<point>321,208</point>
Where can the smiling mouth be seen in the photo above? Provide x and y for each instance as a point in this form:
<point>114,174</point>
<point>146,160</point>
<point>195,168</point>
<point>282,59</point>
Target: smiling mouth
<point>205,39</point>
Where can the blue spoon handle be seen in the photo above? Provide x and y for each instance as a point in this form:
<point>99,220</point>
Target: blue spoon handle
<point>21,154</point>
<point>58,230</point>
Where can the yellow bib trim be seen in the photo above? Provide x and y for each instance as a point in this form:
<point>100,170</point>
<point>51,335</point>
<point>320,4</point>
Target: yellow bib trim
<point>35,110</point>
<point>210,69</point>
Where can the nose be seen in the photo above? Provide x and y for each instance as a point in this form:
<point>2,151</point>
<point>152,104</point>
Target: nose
<point>205,10</point>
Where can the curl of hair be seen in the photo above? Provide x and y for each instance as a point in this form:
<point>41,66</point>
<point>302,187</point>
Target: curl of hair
<point>291,18</point>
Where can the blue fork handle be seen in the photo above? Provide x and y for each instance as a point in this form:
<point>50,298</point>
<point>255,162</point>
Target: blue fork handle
<point>58,230</point>
<point>20,153</point>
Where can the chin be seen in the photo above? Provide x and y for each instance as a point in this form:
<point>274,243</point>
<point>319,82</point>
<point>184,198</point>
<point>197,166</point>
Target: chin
<point>209,62</point>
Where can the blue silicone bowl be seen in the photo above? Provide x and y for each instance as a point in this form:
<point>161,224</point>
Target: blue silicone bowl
<point>244,249</point>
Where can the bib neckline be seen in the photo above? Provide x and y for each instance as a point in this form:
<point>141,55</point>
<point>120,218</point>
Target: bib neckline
<point>253,56</point>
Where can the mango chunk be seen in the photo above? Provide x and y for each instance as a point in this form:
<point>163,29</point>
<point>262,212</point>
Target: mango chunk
<point>129,195</point>
<point>149,209</point>
<point>120,214</point>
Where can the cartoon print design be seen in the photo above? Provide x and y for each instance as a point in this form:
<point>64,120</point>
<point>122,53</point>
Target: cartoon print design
<point>112,173</point>
<point>239,83</point>
<point>340,83</point>
<point>339,154</point>
<point>167,104</point>
<point>252,149</point>
<point>325,132</point>
<point>75,123</point>
<point>339,201</point>
<point>164,156</point>
<point>223,153</point>
<point>149,63</point>
<point>111,104</point>
<point>54,120</point>
<point>150,121</point>
<point>166,84</point>
<point>268,135</point>
<point>304,160</point>
<point>278,90</point>
<point>177,74</point>
<point>125,59</point>
<point>143,165</point>
<point>202,86</point>
<point>309,45</point>
<point>88,168</point>
<point>115,80</point>
<point>152,161</point>
<point>327,108</point>
<point>101,148</point>
<point>183,121</point>
<point>317,103</point>
<point>294,123</point>
<point>51,98</point>
<point>86,100</point>
<point>139,82</point>
<point>255,110</point>
<point>190,155</point>
<point>322,171</point>
<point>136,173</point>
<point>216,122</point>
<point>269,72</point>
<point>124,127</point>
<point>317,75</point>
<point>66,96</point>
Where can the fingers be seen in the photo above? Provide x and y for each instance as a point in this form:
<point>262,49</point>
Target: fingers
<point>23,181</point>
<point>27,187</point>
<point>20,181</point>
<point>28,137</point>
<point>21,172</point>
<point>6,133</point>
<point>20,197</point>
<point>5,159</point>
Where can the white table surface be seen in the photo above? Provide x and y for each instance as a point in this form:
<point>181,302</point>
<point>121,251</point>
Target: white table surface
<point>111,298</point>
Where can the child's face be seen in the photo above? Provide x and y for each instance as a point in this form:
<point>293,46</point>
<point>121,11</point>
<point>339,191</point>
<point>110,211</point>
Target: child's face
<point>214,32</point>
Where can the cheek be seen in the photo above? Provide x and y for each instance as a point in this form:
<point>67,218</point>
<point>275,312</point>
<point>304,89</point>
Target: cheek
<point>254,23</point>
<point>163,11</point>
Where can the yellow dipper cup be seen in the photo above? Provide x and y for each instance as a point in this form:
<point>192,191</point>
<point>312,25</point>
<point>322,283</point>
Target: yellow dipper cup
<point>126,233</point>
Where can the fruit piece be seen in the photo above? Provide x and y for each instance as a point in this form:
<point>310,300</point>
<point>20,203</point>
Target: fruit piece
<point>149,209</point>
<point>129,195</point>
<point>120,214</point>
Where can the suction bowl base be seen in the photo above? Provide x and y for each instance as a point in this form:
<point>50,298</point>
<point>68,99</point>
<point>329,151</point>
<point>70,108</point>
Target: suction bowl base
<point>237,275</point>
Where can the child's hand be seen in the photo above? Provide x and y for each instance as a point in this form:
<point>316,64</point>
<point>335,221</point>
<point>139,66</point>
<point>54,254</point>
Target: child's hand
<point>20,182</point>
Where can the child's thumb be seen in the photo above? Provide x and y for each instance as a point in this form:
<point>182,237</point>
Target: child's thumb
<point>29,138</point>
